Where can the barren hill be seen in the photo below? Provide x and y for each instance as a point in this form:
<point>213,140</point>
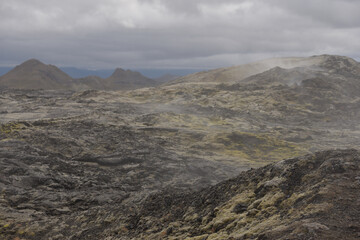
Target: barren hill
<point>33,74</point>
<point>126,79</point>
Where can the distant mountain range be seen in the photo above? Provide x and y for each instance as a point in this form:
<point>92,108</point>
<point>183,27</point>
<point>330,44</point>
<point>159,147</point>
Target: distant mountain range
<point>153,73</point>
<point>34,74</point>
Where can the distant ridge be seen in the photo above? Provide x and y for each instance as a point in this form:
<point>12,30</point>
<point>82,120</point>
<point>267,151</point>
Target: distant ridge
<point>241,72</point>
<point>33,74</point>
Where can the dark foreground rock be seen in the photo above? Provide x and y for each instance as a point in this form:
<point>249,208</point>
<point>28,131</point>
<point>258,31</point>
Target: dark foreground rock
<point>311,197</point>
<point>71,179</point>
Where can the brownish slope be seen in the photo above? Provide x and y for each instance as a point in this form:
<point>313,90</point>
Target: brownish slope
<point>126,79</point>
<point>34,74</point>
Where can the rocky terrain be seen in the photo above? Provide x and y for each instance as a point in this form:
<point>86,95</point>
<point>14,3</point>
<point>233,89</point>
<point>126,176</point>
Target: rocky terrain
<point>312,197</point>
<point>144,164</point>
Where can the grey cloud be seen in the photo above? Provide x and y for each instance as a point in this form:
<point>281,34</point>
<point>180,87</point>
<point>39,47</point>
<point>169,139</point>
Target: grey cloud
<point>172,33</point>
<point>335,13</point>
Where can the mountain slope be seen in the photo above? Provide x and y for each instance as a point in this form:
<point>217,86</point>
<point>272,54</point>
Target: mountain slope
<point>126,79</point>
<point>238,73</point>
<point>33,74</point>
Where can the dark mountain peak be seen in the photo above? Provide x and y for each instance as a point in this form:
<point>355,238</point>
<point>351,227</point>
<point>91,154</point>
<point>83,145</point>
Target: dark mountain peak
<point>33,74</point>
<point>126,79</point>
<point>34,65</point>
<point>119,72</point>
<point>31,63</point>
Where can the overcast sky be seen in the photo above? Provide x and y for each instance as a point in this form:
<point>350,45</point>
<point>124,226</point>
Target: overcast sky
<point>174,33</point>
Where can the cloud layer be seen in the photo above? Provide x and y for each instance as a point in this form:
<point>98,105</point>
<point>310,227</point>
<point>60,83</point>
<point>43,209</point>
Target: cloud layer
<point>174,33</point>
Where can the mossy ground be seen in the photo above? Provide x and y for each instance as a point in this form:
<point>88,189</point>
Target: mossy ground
<point>11,127</point>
